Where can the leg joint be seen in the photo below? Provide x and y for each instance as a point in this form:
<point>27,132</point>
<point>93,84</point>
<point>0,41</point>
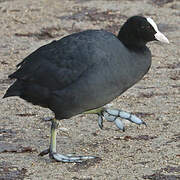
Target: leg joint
<point>55,124</point>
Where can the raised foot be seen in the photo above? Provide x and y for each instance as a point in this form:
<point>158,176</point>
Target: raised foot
<point>115,115</point>
<point>66,158</point>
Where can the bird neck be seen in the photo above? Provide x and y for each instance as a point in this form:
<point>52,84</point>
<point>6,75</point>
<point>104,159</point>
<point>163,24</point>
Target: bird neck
<point>130,40</point>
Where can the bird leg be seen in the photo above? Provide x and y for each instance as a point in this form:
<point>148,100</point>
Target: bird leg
<point>52,148</point>
<point>114,115</point>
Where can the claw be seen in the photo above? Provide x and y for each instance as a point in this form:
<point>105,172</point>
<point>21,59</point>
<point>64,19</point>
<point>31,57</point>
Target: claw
<point>71,159</point>
<point>124,115</point>
<point>144,123</point>
<point>109,117</point>
<point>135,119</point>
<point>113,112</point>
<point>44,152</point>
<point>119,124</point>
<point>128,116</point>
<point>100,121</point>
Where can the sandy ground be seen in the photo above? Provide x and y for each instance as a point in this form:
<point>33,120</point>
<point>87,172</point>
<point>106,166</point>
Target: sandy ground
<point>140,152</point>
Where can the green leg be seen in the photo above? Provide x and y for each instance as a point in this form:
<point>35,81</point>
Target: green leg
<point>95,111</point>
<point>52,148</point>
<point>54,127</point>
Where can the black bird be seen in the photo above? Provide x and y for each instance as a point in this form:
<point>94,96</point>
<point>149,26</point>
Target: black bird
<point>84,71</point>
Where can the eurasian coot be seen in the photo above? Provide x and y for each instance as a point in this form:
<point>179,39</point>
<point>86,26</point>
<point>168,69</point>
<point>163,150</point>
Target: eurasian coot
<point>84,71</point>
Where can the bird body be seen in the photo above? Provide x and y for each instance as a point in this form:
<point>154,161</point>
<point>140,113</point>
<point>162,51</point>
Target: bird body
<point>82,71</point>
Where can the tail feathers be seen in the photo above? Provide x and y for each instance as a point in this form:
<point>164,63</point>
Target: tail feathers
<point>30,92</point>
<point>14,89</point>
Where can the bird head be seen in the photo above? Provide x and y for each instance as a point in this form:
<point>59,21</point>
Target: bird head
<point>140,30</point>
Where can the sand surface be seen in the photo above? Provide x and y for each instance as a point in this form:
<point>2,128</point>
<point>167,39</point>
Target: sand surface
<point>140,152</point>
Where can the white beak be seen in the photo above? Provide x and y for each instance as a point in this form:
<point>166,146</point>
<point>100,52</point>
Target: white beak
<point>161,37</point>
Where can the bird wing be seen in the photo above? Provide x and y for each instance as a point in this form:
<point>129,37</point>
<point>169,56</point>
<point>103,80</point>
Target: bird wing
<point>57,64</point>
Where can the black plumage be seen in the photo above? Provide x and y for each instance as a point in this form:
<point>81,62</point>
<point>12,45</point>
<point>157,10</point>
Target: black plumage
<point>86,70</point>
<point>79,72</point>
